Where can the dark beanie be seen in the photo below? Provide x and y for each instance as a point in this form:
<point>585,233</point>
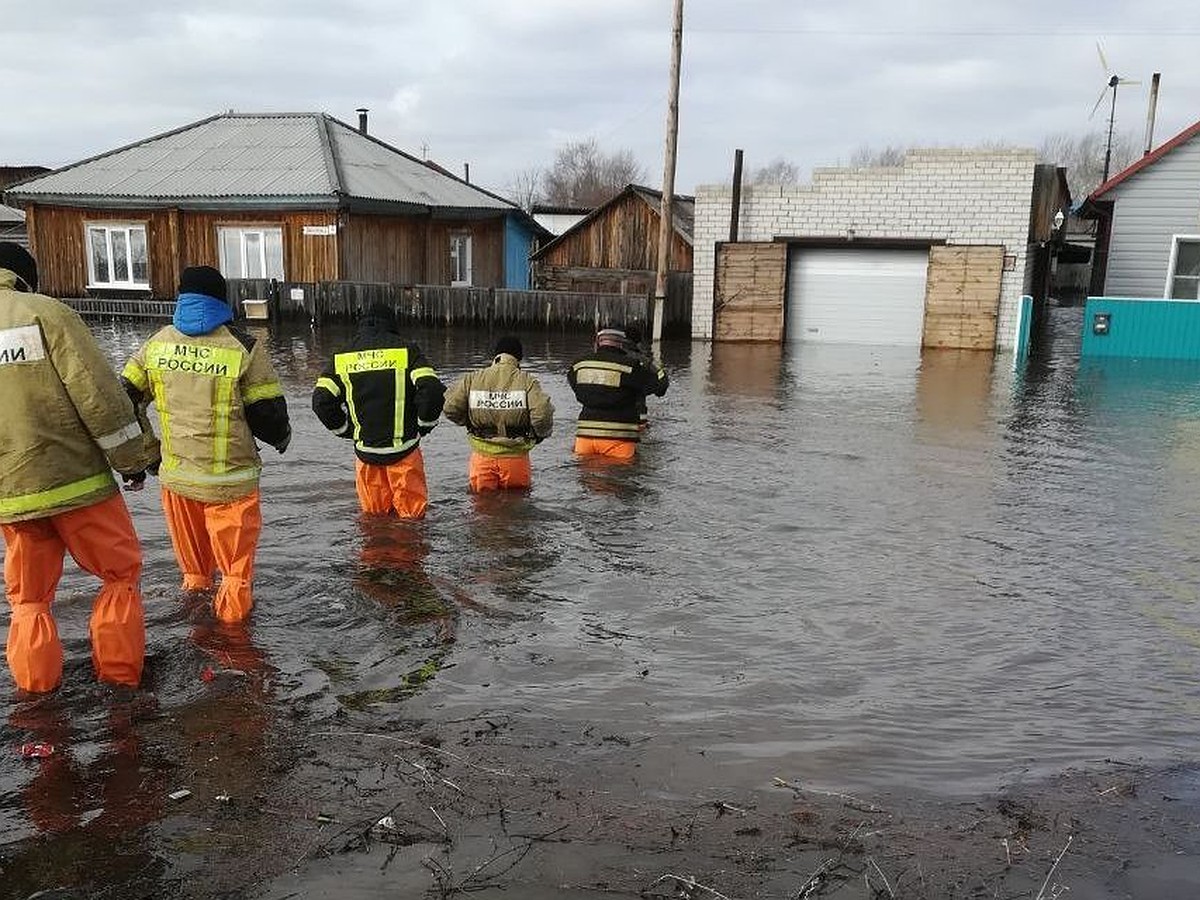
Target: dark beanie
<point>510,344</point>
<point>380,315</point>
<point>204,280</point>
<point>17,260</point>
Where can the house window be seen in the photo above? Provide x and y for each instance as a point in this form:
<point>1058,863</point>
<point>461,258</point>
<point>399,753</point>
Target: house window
<point>251,252</point>
<point>117,257</point>
<point>460,260</point>
<point>1183,278</point>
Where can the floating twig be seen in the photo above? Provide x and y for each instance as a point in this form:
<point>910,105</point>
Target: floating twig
<point>1057,860</point>
<point>848,799</point>
<point>399,740</point>
<point>691,884</point>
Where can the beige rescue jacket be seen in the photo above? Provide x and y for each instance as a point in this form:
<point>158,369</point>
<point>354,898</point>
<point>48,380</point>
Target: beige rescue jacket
<point>201,386</point>
<point>67,420</point>
<point>503,408</point>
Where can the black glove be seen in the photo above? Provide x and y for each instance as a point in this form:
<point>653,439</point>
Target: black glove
<point>152,469</point>
<point>287,439</point>
<point>134,482</point>
<point>423,430</point>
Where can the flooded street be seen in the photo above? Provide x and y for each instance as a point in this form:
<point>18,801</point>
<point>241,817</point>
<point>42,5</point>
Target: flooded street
<point>854,568</point>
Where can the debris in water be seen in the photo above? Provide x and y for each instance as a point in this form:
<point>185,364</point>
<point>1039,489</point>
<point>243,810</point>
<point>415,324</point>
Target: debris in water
<point>181,794</point>
<point>36,750</point>
<point>207,674</point>
<point>387,823</point>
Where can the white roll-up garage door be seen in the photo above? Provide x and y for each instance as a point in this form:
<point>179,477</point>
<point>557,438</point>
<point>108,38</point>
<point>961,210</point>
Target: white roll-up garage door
<point>860,296</point>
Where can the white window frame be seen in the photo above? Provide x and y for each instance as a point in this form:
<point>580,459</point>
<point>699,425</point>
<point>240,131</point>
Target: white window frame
<point>242,231</point>
<point>109,228</point>
<point>460,241</point>
<point>1176,239</point>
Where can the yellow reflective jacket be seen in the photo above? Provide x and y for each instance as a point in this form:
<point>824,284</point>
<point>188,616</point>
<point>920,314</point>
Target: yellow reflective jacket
<point>504,409</point>
<point>214,393</point>
<point>67,421</point>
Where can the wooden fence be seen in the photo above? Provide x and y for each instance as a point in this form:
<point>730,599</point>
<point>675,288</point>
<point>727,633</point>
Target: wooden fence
<point>443,305</point>
<point>429,305</point>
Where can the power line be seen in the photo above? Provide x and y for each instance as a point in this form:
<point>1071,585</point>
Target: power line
<point>910,32</point>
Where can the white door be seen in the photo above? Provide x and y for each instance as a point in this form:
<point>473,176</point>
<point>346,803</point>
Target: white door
<point>860,296</point>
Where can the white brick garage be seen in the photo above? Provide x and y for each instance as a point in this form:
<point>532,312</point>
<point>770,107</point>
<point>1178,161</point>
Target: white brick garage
<point>884,289</point>
<point>952,197</point>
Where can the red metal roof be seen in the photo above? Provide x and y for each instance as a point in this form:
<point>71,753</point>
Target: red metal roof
<point>1149,159</point>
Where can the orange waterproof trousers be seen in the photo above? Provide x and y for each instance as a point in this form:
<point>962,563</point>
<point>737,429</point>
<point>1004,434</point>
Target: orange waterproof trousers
<point>101,539</point>
<point>498,473</point>
<point>398,488</point>
<point>223,536</point>
<point>621,451</point>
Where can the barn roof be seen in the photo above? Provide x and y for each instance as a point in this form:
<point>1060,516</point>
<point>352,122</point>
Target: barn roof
<point>259,160</point>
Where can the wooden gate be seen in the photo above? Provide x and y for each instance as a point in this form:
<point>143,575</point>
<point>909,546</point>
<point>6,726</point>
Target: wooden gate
<point>748,293</point>
<point>962,297</point>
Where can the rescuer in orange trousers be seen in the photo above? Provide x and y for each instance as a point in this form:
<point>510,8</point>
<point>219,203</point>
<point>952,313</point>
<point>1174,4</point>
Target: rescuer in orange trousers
<point>216,392</point>
<point>382,394</point>
<point>67,424</point>
<point>610,383</point>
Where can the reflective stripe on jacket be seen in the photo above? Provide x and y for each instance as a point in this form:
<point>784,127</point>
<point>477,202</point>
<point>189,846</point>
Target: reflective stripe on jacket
<point>206,389</point>
<point>380,393</point>
<point>609,383</point>
<point>504,409</point>
<point>67,421</point>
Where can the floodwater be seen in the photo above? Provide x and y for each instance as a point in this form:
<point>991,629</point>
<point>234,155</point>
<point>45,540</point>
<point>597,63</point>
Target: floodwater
<point>854,566</point>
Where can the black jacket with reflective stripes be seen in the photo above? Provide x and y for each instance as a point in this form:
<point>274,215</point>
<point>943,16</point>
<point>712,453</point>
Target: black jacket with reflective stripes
<point>382,393</point>
<point>609,383</point>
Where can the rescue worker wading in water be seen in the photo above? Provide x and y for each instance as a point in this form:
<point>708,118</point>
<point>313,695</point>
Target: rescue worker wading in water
<point>215,391</point>
<point>382,394</point>
<point>609,383</point>
<point>67,424</point>
<point>506,413</point>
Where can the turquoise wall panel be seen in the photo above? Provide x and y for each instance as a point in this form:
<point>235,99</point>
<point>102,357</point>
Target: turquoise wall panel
<point>518,244</point>
<point>1142,328</point>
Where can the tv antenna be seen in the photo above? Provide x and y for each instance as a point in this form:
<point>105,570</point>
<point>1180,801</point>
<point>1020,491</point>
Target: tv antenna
<point>1114,81</point>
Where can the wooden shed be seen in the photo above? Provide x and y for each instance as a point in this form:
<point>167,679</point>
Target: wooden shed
<point>290,197</point>
<point>614,248</point>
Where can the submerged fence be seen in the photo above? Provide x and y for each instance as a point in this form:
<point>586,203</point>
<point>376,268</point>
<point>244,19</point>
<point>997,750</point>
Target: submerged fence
<point>429,305</point>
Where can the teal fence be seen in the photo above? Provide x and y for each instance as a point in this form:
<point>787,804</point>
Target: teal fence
<point>1142,328</point>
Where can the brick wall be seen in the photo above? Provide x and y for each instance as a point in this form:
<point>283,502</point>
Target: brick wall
<point>959,196</point>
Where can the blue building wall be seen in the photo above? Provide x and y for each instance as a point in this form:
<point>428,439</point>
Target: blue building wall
<point>1143,328</point>
<point>518,244</point>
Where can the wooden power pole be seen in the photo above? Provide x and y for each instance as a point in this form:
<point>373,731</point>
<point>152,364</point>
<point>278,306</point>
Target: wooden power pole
<point>668,190</point>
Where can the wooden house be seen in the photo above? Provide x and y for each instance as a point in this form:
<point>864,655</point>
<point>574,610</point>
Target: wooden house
<point>298,198</point>
<point>614,248</point>
<point>1148,224</point>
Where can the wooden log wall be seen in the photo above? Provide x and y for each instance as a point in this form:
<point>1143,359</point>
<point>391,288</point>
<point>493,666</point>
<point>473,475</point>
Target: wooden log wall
<point>416,250</point>
<point>748,295</point>
<point>175,239</point>
<point>962,297</point>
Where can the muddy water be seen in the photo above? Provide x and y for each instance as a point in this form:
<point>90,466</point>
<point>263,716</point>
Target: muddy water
<point>850,565</point>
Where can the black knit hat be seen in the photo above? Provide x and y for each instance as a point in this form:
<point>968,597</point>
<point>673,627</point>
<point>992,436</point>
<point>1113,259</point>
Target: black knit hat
<point>510,344</point>
<point>204,280</point>
<point>380,315</point>
<point>17,260</point>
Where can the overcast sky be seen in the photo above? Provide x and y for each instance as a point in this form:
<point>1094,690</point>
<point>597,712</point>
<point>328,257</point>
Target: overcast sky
<point>501,83</point>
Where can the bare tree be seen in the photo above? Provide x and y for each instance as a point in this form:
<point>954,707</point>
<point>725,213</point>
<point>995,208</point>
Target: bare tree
<point>583,175</point>
<point>866,157</point>
<point>777,171</point>
<point>1083,157</point>
<point>525,187</point>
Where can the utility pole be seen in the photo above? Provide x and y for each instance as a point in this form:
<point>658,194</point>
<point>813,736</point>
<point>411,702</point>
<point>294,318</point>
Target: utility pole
<point>665,228</point>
